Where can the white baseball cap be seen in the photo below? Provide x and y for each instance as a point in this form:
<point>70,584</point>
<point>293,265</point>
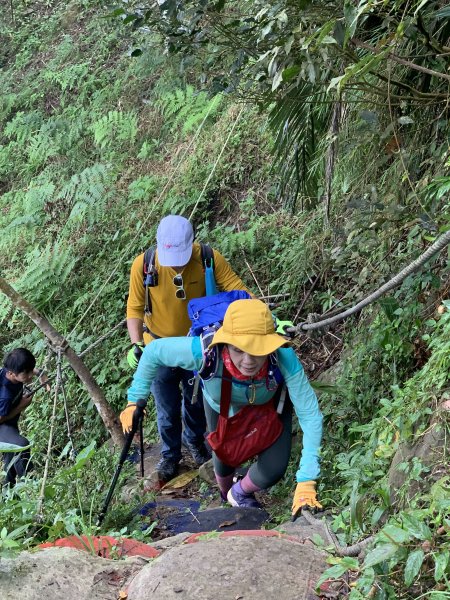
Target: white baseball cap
<point>174,239</point>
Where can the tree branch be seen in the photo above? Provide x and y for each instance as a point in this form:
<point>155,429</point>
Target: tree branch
<point>106,413</point>
<point>402,61</point>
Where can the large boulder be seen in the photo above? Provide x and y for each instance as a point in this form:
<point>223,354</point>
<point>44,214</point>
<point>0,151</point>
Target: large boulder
<point>64,573</point>
<point>262,565</point>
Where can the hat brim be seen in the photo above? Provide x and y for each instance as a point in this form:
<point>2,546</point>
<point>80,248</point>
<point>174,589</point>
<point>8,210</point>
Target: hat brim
<point>257,345</point>
<point>171,258</point>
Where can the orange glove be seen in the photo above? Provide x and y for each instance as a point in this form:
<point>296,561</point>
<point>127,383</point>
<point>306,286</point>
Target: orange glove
<point>304,497</point>
<point>126,417</point>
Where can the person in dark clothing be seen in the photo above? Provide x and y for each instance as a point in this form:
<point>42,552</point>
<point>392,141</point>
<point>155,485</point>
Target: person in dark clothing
<point>19,368</point>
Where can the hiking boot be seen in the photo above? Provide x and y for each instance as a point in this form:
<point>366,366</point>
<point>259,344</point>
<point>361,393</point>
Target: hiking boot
<point>167,468</point>
<point>199,452</point>
<point>237,497</point>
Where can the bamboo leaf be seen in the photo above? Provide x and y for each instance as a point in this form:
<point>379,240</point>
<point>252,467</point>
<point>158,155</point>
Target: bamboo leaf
<point>4,447</point>
<point>380,554</point>
<point>417,528</point>
<point>413,564</point>
<point>441,561</point>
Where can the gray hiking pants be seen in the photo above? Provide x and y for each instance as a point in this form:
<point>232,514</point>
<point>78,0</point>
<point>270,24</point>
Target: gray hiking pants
<point>16,464</point>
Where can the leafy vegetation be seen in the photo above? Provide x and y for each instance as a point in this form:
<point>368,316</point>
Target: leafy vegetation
<point>335,174</point>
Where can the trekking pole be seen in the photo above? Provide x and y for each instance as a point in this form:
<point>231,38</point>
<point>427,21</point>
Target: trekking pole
<point>141,440</point>
<point>138,417</point>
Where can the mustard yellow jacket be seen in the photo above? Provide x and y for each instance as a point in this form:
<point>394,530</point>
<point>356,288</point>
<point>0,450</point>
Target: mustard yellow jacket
<point>169,316</point>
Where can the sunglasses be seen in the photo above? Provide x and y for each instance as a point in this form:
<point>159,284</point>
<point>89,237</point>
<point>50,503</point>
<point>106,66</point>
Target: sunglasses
<point>180,292</point>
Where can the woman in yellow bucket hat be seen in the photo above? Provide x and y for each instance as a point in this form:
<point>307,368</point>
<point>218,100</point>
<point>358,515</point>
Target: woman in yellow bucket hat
<point>254,357</point>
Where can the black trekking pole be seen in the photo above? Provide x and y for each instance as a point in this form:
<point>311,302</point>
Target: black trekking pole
<point>138,417</point>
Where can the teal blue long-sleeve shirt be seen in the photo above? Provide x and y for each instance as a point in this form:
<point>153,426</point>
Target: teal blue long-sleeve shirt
<point>185,352</point>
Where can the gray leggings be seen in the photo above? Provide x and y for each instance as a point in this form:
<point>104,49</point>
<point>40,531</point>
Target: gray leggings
<point>15,464</point>
<point>271,464</point>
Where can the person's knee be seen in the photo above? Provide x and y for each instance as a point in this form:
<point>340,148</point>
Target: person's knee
<point>22,441</point>
<point>267,476</point>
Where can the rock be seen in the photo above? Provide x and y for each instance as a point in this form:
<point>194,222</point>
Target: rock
<point>170,542</point>
<point>305,529</point>
<point>206,472</point>
<point>229,567</point>
<point>429,449</point>
<point>56,573</point>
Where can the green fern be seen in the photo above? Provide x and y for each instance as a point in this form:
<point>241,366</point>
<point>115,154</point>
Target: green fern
<point>25,214</point>
<point>6,309</point>
<point>7,102</point>
<point>39,149</point>
<point>45,273</point>
<point>87,193</point>
<point>113,127</point>
<point>69,77</point>
<point>23,126</point>
<point>188,107</point>
<point>236,241</point>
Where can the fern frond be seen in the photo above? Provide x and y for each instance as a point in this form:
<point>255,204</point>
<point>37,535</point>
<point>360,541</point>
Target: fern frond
<point>23,126</point>
<point>40,148</point>
<point>187,107</point>
<point>45,273</point>
<point>87,191</point>
<point>68,77</point>
<point>121,126</point>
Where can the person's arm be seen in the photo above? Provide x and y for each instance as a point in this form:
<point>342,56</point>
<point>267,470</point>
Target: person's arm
<point>226,278</point>
<point>308,413</point>
<point>20,407</point>
<point>136,301</point>
<point>184,352</point>
<point>43,378</point>
<point>310,419</point>
<point>135,330</point>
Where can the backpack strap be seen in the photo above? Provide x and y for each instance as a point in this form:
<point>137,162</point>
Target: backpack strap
<point>225,396</point>
<point>225,392</point>
<point>149,274</point>
<point>207,254</point>
<point>209,364</point>
<point>276,380</point>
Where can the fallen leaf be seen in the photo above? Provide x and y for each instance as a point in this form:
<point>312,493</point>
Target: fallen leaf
<point>123,595</point>
<point>227,523</point>
<point>182,480</point>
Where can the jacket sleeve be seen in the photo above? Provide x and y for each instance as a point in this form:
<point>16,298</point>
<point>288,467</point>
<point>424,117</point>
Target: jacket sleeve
<point>136,295</point>
<point>184,352</point>
<point>226,278</point>
<point>308,413</point>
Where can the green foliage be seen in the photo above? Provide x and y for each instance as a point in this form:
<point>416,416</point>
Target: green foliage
<point>113,127</point>
<point>188,107</point>
<point>86,193</point>
<point>8,541</point>
<point>45,272</point>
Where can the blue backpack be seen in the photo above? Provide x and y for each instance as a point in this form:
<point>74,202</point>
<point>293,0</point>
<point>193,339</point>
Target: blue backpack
<point>206,315</point>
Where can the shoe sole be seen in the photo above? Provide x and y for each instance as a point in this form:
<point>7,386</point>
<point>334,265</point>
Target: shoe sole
<point>231,500</point>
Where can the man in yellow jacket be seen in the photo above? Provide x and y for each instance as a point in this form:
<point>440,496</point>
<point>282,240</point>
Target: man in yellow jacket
<point>178,277</point>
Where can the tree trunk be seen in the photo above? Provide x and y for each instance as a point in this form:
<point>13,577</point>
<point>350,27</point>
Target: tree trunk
<point>330,159</point>
<point>106,413</point>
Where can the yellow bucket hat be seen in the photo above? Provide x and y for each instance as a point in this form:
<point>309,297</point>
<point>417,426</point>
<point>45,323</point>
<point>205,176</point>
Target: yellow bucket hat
<point>248,325</point>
